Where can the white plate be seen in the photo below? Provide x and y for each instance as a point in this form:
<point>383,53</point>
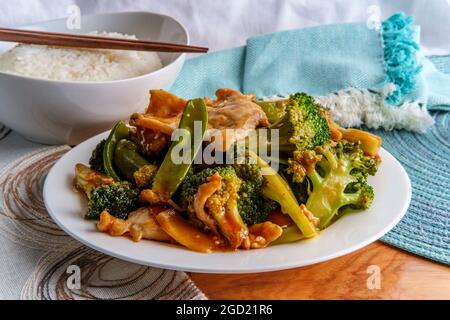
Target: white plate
<point>352,232</point>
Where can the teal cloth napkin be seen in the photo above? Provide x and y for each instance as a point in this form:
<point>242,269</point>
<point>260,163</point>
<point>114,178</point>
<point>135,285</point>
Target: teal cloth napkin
<point>322,60</point>
<point>316,60</point>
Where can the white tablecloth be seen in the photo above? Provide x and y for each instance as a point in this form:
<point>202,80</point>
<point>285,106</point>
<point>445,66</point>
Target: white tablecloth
<point>218,25</point>
<point>16,262</point>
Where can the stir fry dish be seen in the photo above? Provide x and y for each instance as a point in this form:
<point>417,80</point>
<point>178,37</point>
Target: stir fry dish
<point>288,171</point>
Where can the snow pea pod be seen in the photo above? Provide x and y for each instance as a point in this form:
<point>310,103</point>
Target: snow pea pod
<point>128,160</point>
<point>119,132</point>
<point>171,174</point>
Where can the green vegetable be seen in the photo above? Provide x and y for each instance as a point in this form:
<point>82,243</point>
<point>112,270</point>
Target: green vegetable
<point>119,132</point>
<point>134,167</point>
<point>221,206</point>
<point>253,206</point>
<point>96,161</point>
<point>87,179</point>
<point>277,189</point>
<point>194,180</point>
<point>301,129</point>
<point>290,234</point>
<point>119,199</point>
<point>171,175</point>
<point>273,110</point>
<point>344,170</point>
<point>145,176</point>
<point>300,189</point>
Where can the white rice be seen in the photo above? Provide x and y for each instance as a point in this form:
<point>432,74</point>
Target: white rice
<point>67,64</point>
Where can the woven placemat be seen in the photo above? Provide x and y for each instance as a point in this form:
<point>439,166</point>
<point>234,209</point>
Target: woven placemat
<point>24,220</point>
<point>425,230</point>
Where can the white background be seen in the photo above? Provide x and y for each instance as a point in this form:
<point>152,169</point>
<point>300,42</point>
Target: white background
<point>221,24</point>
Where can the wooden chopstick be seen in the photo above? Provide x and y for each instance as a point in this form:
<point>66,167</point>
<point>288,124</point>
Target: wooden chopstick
<point>93,37</point>
<point>91,42</point>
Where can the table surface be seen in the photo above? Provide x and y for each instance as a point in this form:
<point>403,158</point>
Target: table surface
<point>403,276</point>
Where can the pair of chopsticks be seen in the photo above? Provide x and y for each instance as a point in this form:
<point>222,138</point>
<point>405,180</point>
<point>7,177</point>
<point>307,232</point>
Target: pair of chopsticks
<point>91,42</point>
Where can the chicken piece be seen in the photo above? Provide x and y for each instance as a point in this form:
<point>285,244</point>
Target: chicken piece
<point>215,204</point>
<point>155,199</point>
<point>152,134</point>
<point>164,104</point>
<point>150,197</point>
<point>140,225</point>
<point>261,235</point>
<point>162,125</point>
<point>153,130</point>
<point>150,142</point>
<point>236,111</point>
<point>87,179</point>
<point>205,191</point>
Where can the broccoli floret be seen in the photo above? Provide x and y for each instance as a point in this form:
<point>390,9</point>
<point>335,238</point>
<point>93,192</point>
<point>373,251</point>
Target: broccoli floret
<point>145,176</point>
<point>339,181</point>
<point>253,206</point>
<point>195,179</point>
<point>366,195</point>
<point>249,171</point>
<point>274,110</point>
<point>300,189</point>
<point>220,211</point>
<point>303,127</point>
<point>96,161</point>
<point>119,199</point>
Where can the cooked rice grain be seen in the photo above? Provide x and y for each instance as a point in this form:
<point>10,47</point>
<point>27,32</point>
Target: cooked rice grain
<point>67,64</point>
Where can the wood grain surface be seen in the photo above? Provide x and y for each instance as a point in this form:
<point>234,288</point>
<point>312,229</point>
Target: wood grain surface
<point>403,276</point>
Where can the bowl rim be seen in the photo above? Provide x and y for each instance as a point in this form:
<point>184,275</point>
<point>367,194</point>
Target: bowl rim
<point>107,82</point>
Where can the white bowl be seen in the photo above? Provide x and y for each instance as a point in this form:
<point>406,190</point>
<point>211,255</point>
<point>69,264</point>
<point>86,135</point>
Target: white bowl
<point>63,112</point>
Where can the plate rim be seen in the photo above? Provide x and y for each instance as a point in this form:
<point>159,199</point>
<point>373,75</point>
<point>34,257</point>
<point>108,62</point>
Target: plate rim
<point>262,269</point>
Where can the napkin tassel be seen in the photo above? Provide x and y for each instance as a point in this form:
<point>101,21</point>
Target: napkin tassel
<point>400,56</point>
<point>354,107</point>
<point>388,107</point>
